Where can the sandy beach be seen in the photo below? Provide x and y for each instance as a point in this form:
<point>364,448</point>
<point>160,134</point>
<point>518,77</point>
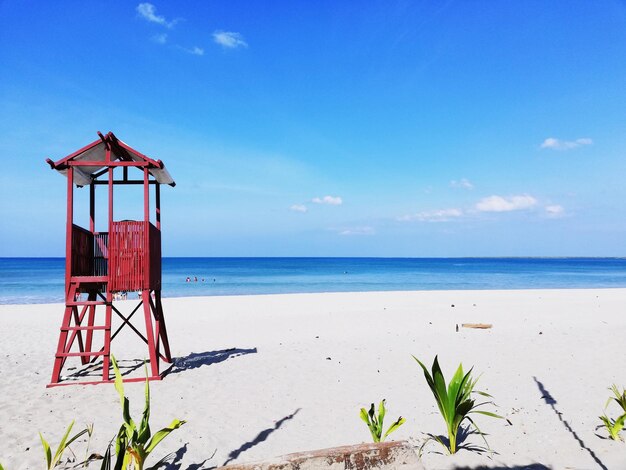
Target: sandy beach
<point>261,376</point>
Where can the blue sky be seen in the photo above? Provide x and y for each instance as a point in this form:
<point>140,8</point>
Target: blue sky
<point>459,128</point>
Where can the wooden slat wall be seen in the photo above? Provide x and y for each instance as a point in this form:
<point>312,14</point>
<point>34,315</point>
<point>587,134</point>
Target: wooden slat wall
<point>129,268</point>
<point>127,251</point>
<point>101,255</point>
<point>82,251</point>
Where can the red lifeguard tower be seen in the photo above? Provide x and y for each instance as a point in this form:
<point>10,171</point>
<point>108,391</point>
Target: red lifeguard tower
<point>100,266</point>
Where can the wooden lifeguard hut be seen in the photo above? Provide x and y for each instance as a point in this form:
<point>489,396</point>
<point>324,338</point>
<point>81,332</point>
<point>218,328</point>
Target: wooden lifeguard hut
<point>102,266</point>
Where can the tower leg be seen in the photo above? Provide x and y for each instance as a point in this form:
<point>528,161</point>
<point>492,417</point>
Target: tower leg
<point>161,322</point>
<point>154,355</point>
<point>106,358</point>
<point>59,359</point>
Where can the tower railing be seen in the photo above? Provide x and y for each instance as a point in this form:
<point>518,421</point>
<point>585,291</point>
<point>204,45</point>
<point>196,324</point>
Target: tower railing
<point>129,256</point>
<point>134,256</point>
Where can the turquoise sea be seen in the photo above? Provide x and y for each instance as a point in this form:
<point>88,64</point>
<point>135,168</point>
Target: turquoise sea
<point>40,280</point>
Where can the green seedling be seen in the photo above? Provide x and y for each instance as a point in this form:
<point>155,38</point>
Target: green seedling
<point>455,401</point>
<point>375,422</point>
<point>619,398</point>
<point>134,444</point>
<point>53,461</point>
<point>615,426</point>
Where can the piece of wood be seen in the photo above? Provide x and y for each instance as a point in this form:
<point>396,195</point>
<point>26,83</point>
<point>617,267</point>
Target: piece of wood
<point>393,455</point>
<point>477,326</point>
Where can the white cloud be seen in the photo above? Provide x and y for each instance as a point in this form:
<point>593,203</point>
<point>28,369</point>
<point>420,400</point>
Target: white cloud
<point>463,183</point>
<point>505,204</point>
<point>330,200</point>
<point>299,208</point>
<point>441,215</point>
<point>160,38</point>
<point>229,39</point>
<point>148,12</point>
<point>558,144</point>
<point>195,51</point>
<point>357,231</point>
<point>554,211</point>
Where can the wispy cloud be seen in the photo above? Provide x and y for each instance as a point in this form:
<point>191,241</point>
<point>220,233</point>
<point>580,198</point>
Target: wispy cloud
<point>463,183</point>
<point>148,12</point>
<point>505,204</point>
<point>299,208</point>
<point>357,231</point>
<point>441,215</point>
<point>194,50</point>
<point>558,144</point>
<point>554,211</point>
<point>330,200</point>
<point>229,39</point>
<point>160,38</point>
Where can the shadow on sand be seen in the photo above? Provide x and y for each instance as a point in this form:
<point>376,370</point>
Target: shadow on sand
<point>462,444</point>
<point>196,360</point>
<point>550,401</point>
<point>262,436</point>
<point>177,461</point>
<point>93,370</point>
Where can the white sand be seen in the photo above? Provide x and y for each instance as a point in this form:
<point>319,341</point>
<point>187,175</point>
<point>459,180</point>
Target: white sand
<point>234,405</point>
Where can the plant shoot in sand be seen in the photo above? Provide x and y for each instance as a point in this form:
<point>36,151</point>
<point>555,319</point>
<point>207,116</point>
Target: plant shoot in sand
<point>375,422</point>
<point>134,444</point>
<point>54,460</point>
<point>455,401</point>
<point>614,426</point>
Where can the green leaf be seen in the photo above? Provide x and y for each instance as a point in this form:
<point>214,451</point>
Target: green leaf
<point>487,413</point>
<point>119,381</point>
<point>62,445</point>
<point>121,443</point>
<point>479,432</point>
<point>106,460</point>
<point>144,427</point>
<point>394,426</point>
<point>47,452</point>
<point>76,436</point>
<point>364,416</point>
<point>373,424</point>
<point>162,434</point>
<point>381,415</point>
<point>369,419</point>
<point>620,397</point>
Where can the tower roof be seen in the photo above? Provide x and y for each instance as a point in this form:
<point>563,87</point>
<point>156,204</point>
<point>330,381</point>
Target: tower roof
<point>90,161</point>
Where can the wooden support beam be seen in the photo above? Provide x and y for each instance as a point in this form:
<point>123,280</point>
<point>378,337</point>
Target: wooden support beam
<point>125,182</point>
<point>114,163</point>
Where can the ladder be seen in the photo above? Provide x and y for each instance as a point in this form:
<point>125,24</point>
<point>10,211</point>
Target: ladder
<point>80,317</point>
<point>74,325</point>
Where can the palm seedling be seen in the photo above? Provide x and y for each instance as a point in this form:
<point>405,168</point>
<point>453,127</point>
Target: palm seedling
<point>614,426</point>
<point>54,460</point>
<point>455,401</point>
<point>618,397</point>
<point>375,422</point>
<point>134,444</point>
